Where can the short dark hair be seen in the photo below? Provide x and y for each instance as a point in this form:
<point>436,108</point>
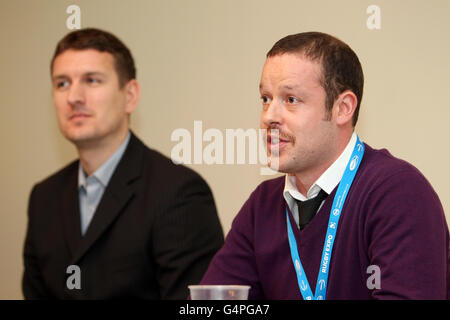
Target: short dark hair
<point>91,38</point>
<point>341,69</point>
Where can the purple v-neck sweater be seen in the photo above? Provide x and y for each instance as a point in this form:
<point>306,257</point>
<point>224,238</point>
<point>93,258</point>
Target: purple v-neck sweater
<point>392,219</point>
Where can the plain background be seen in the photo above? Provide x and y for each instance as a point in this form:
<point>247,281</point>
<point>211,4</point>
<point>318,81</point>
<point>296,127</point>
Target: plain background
<point>201,60</point>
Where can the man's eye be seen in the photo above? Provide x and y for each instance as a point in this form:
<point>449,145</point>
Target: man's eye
<point>292,100</point>
<point>265,100</point>
<point>93,80</point>
<point>62,84</point>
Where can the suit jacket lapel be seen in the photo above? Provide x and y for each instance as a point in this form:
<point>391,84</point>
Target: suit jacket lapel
<point>70,211</point>
<point>118,193</point>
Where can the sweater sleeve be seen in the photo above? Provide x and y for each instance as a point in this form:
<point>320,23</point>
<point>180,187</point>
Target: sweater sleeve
<point>407,238</point>
<point>235,263</point>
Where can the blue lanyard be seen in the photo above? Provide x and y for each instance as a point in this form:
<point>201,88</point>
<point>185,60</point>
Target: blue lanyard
<point>338,203</point>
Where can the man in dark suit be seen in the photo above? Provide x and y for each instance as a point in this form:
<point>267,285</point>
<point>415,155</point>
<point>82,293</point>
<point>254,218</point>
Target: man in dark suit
<point>123,221</point>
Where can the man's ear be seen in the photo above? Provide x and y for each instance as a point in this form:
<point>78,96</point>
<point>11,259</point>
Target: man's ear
<point>344,107</point>
<point>133,93</point>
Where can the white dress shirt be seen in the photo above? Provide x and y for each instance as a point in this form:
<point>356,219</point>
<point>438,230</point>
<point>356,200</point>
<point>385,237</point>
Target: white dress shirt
<point>327,181</point>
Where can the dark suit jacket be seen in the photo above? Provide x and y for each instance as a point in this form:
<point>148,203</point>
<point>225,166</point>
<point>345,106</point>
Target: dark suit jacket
<point>154,232</point>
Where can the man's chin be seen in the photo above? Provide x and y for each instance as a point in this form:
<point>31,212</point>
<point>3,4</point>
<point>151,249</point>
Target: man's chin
<point>80,139</point>
<point>282,165</point>
<point>275,164</point>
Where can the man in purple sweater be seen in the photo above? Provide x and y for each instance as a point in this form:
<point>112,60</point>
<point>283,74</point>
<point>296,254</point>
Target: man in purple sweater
<point>392,240</point>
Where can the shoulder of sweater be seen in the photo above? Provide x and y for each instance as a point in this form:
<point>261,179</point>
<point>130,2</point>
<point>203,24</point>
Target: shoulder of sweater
<point>379,166</point>
<point>271,184</point>
<point>268,190</point>
<point>382,162</point>
<point>266,196</point>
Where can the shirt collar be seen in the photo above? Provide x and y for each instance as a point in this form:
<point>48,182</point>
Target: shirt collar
<point>327,181</point>
<point>104,173</point>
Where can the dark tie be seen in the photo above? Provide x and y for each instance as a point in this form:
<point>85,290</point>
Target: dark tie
<point>307,209</point>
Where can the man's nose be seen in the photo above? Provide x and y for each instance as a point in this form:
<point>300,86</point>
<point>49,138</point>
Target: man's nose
<point>76,94</point>
<point>271,116</point>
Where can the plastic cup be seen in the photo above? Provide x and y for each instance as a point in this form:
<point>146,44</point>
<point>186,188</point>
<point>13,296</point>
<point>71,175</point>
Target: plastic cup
<point>219,292</point>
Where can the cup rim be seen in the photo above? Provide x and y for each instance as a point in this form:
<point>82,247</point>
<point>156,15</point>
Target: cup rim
<point>219,286</point>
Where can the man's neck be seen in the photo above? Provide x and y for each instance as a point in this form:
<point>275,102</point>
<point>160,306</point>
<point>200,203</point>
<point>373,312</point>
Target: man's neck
<point>93,155</point>
<point>305,180</point>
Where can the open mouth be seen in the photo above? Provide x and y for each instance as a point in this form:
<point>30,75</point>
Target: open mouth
<point>275,141</point>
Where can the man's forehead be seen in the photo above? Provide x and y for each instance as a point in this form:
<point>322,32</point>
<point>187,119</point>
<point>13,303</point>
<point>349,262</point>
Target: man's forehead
<point>290,71</point>
<point>89,60</point>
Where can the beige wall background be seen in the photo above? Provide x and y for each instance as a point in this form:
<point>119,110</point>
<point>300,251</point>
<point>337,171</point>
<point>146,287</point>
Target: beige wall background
<point>201,60</point>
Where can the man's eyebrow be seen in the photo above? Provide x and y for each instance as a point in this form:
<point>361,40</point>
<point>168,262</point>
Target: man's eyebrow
<point>85,74</point>
<point>59,76</point>
<point>285,87</point>
<point>290,87</point>
<point>262,86</point>
<point>94,73</point>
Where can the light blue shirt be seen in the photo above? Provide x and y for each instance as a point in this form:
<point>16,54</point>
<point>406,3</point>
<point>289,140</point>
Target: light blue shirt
<point>90,189</point>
